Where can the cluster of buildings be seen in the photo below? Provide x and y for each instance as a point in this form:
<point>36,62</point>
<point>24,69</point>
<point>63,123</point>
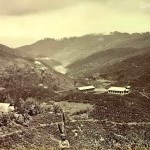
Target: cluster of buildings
<point>7,107</point>
<point>110,90</point>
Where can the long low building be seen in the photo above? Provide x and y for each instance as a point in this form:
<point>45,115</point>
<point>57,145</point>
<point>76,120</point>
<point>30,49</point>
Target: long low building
<point>119,90</point>
<point>86,88</point>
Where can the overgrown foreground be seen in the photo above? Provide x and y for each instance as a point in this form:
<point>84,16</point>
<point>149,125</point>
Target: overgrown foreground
<point>92,121</point>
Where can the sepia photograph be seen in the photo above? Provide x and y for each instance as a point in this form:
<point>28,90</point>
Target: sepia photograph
<point>74,74</point>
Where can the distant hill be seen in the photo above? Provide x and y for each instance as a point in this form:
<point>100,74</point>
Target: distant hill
<point>69,50</point>
<point>9,57</point>
<point>6,51</point>
<point>21,75</point>
<point>100,60</point>
<point>135,69</point>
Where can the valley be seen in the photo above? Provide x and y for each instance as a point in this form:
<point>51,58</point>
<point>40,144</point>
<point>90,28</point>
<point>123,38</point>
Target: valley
<point>49,107</point>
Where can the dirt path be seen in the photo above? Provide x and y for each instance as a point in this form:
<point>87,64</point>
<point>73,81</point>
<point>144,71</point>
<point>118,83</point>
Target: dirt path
<point>11,133</point>
<point>128,123</point>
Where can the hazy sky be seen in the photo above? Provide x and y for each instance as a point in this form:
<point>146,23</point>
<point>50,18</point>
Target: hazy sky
<point>25,21</point>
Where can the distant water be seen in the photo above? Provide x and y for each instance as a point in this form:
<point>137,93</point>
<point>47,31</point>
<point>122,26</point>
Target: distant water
<point>61,69</point>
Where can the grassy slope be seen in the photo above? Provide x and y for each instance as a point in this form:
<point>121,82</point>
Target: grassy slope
<point>135,68</point>
<point>101,59</point>
<point>19,75</point>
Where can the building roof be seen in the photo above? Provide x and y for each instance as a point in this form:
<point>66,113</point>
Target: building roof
<point>1,88</point>
<point>4,107</point>
<point>121,89</point>
<point>4,104</point>
<point>86,88</point>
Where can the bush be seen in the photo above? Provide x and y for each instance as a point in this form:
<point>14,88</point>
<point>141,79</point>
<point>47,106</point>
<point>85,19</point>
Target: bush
<point>5,119</point>
<point>31,107</point>
<point>57,109</point>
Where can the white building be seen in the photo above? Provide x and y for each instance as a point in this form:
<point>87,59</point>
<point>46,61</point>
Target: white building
<point>86,88</point>
<point>119,90</point>
<point>6,108</point>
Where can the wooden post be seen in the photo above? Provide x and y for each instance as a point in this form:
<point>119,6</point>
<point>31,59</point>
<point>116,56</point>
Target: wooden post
<point>64,143</point>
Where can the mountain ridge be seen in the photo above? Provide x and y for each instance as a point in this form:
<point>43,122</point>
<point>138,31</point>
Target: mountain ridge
<point>102,59</point>
<point>68,50</point>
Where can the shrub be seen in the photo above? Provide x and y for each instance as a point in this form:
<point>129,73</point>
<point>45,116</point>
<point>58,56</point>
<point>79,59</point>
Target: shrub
<point>5,119</point>
<point>31,107</point>
<point>57,109</point>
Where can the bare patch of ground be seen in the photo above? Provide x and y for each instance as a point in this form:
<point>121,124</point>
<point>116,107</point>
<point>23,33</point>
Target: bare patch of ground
<point>72,107</point>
